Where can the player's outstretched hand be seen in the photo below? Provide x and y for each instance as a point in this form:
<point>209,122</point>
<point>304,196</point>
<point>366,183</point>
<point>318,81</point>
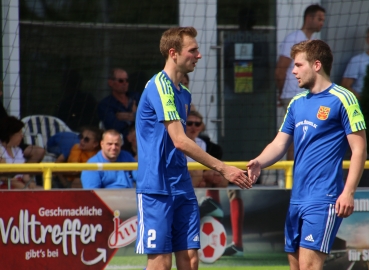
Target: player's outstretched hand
<point>237,177</point>
<point>254,170</point>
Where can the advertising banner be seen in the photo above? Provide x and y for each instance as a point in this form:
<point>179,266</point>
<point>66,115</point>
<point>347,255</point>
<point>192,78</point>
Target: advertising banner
<point>82,229</point>
<point>60,230</point>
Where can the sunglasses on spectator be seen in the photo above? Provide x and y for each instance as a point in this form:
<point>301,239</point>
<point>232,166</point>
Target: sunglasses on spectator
<point>85,139</point>
<point>191,123</point>
<point>122,80</point>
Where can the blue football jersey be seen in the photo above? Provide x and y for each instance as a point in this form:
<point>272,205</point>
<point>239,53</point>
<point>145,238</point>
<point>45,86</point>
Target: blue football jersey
<point>319,124</point>
<point>162,169</point>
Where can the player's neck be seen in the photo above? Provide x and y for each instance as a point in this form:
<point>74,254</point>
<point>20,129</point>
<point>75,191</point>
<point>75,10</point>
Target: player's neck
<point>321,84</point>
<point>173,75</point>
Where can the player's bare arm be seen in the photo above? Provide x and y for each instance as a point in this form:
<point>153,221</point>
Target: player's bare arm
<point>191,149</point>
<point>270,155</point>
<point>280,72</point>
<point>345,202</point>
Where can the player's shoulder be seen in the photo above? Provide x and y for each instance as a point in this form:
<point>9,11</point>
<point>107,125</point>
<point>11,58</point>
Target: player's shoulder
<point>300,95</point>
<point>161,83</point>
<point>346,97</point>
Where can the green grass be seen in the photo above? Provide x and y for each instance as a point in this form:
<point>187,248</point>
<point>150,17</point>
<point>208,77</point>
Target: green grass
<point>251,261</point>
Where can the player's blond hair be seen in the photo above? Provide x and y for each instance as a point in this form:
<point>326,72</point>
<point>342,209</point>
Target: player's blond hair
<point>173,39</point>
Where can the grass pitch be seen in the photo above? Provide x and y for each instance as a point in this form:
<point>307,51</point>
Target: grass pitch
<point>251,261</point>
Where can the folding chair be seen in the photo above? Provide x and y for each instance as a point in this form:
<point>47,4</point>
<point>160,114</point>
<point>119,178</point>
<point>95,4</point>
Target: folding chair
<point>39,128</point>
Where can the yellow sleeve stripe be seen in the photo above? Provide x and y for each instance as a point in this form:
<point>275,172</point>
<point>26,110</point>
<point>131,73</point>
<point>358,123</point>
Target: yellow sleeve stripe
<point>167,97</point>
<point>351,106</point>
<point>185,88</point>
<point>300,95</point>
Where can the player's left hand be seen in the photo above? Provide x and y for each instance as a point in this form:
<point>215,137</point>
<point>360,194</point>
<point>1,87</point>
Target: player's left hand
<point>345,205</point>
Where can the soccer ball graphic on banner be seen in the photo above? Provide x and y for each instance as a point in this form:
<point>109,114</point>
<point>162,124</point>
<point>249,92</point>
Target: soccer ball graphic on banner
<point>213,239</point>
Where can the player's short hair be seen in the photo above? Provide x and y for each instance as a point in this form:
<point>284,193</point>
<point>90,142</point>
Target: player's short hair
<point>312,9</point>
<point>173,38</point>
<point>315,50</point>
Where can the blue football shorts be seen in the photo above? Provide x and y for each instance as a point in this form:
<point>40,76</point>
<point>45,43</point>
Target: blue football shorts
<point>311,226</point>
<point>167,223</point>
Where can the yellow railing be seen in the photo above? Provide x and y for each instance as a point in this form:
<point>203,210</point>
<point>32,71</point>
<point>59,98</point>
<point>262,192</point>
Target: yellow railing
<point>48,168</point>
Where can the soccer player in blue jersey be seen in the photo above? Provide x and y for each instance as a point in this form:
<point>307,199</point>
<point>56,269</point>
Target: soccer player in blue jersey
<point>168,214</point>
<point>322,122</point>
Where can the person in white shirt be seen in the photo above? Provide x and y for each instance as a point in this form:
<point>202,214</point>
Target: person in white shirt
<point>286,82</point>
<point>11,135</point>
<point>353,77</point>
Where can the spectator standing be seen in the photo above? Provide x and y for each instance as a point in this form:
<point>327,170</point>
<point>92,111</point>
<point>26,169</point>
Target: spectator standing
<point>118,110</point>
<point>111,144</point>
<point>287,85</point>
<point>321,122</point>
<point>353,77</point>
<point>168,215</point>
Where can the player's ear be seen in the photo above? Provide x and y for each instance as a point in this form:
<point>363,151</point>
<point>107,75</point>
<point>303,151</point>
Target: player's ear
<point>172,53</point>
<point>317,65</point>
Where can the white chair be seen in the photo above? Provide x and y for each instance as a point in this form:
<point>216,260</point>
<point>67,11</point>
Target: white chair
<point>39,128</point>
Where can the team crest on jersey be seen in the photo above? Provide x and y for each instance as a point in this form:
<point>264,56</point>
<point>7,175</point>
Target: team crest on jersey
<point>323,113</point>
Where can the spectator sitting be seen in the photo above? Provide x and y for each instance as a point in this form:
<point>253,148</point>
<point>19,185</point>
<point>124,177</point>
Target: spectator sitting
<point>62,143</point>
<point>207,178</point>
<point>194,126</point>
<point>32,153</point>
<point>131,144</point>
<point>87,147</point>
<point>11,135</point>
<point>111,144</point>
<point>118,110</point>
